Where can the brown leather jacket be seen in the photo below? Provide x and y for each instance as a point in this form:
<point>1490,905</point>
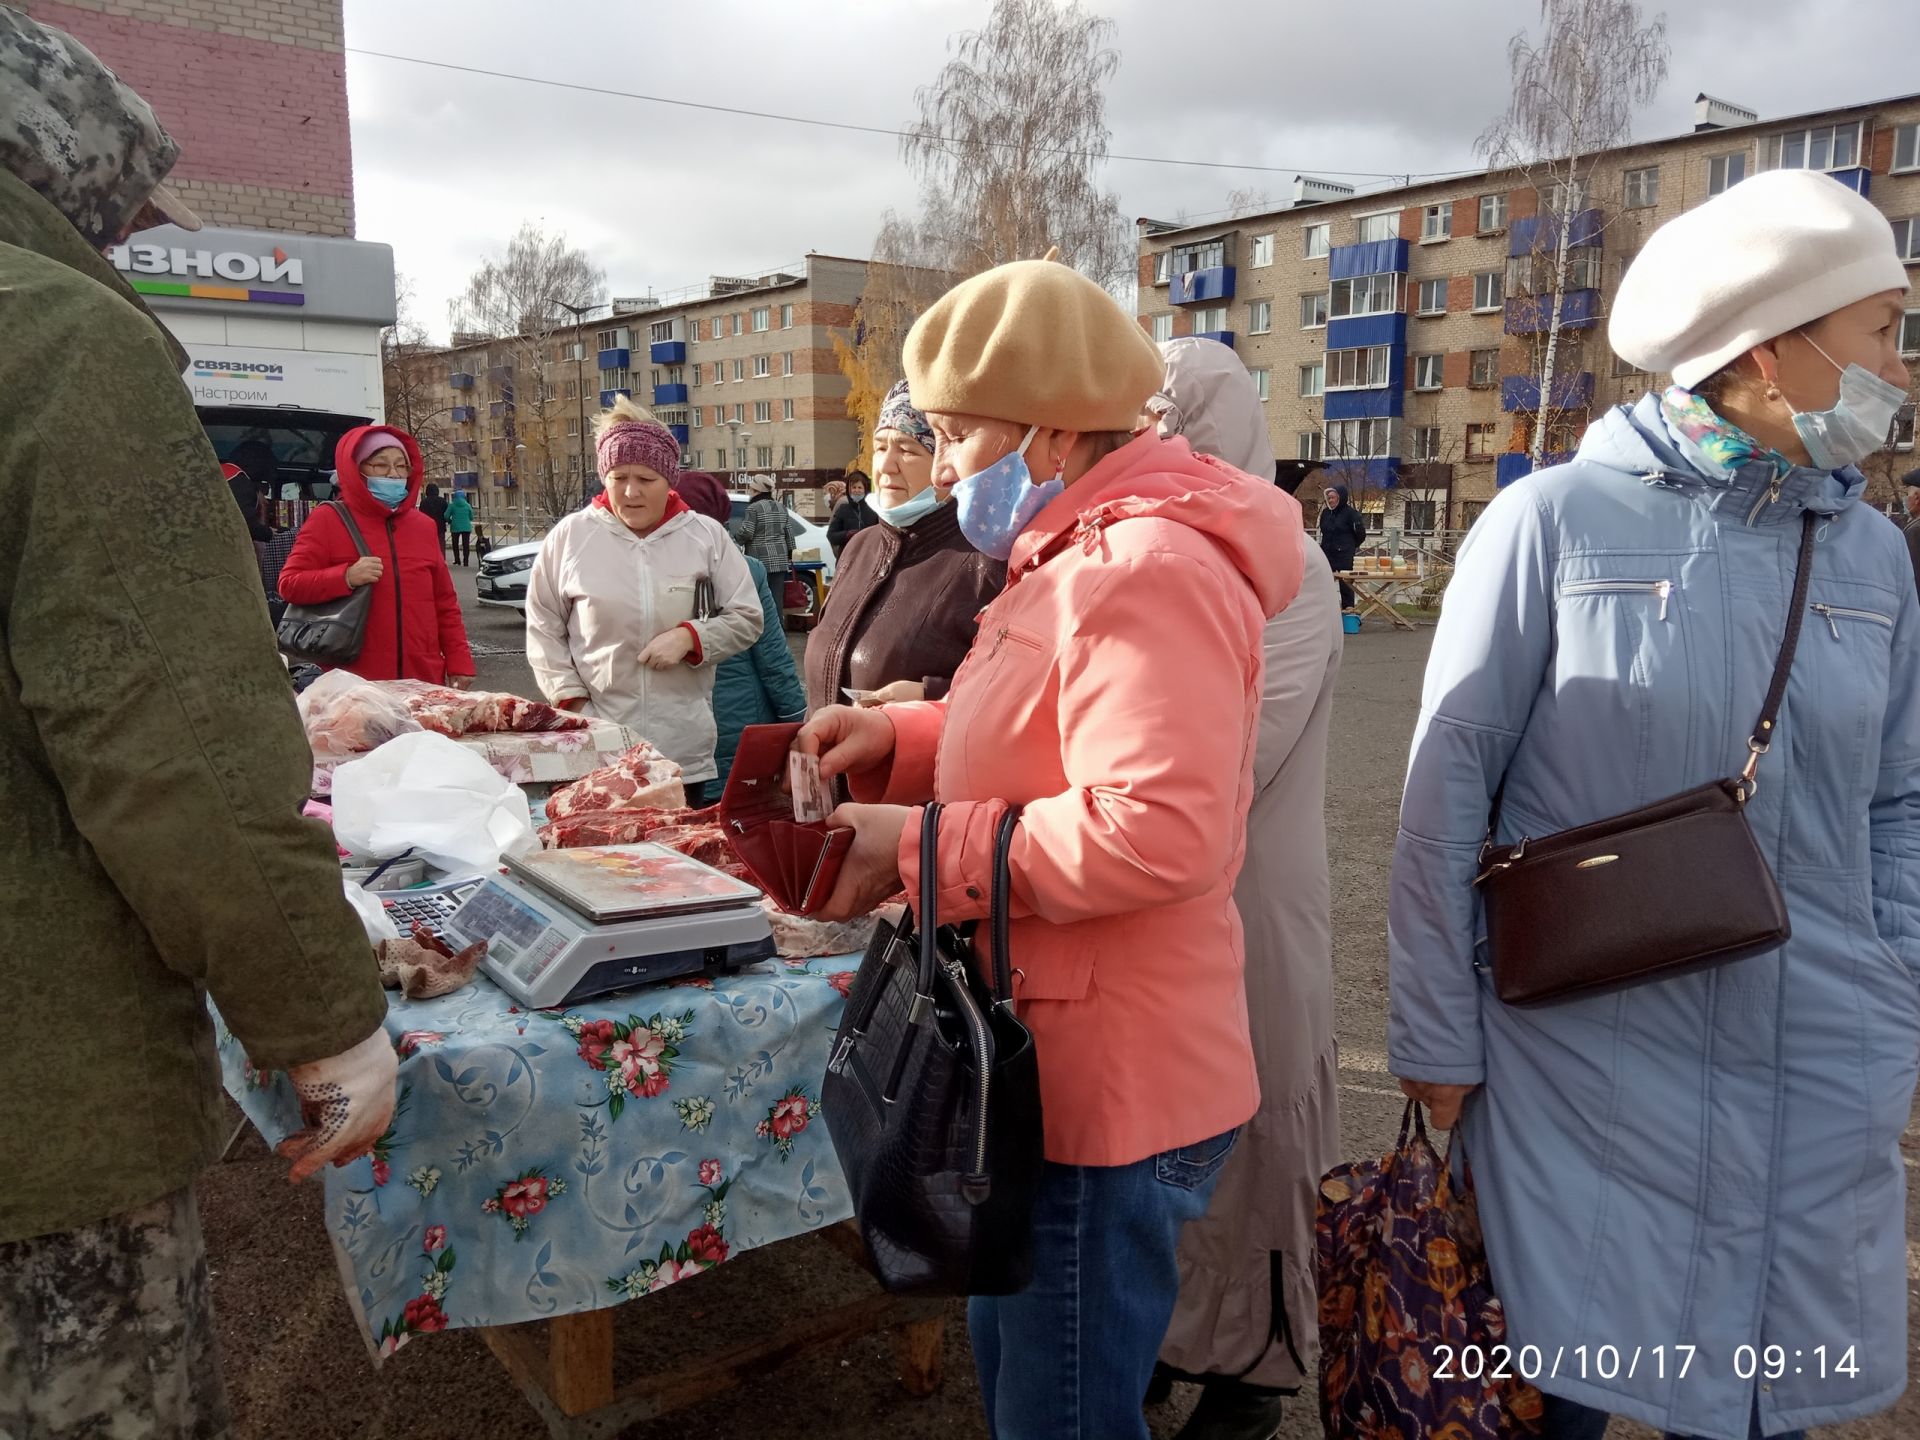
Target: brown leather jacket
<point>903,607</point>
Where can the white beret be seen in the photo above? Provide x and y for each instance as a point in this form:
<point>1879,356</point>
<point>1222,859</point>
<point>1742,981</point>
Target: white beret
<point>1773,253</point>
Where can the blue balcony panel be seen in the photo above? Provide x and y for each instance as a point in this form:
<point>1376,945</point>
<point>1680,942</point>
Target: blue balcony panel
<point>1510,467</point>
<point>681,433</point>
<point>462,414</point>
<point>606,396</point>
<point>460,380</point>
<point>466,479</point>
<point>1225,337</point>
<point>1534,313</point>
<point>669,394</point>
<point>667,352</point>
<point>1376,257</point>
<point>1367,330</point>
<point>618,359</point>
<point>1542,232</point>
<point>1855,180</point>
<point>1197,287</point>
<point>1365,404</point>
<point>1381,474</point>
<point>1570,392</point>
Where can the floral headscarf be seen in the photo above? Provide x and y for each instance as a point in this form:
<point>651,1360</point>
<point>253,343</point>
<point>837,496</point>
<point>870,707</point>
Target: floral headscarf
<point>897,413</point>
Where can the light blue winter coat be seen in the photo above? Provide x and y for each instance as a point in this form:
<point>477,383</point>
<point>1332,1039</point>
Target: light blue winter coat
<point>1711,1160</point>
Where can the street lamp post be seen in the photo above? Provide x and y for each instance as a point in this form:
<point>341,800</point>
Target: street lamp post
<point>519,471</point>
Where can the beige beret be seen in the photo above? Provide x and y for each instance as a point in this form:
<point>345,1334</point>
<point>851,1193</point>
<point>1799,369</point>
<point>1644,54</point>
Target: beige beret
<point>1035,343</point>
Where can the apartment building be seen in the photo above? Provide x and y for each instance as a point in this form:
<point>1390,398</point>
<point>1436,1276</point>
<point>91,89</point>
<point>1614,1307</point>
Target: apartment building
<point>1396,335</point>
<point>742,370</point>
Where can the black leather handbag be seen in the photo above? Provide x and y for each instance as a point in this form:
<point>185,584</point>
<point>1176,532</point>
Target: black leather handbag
<point>334,631</point>
<point>932,1098</point>
<point>1674,886</point>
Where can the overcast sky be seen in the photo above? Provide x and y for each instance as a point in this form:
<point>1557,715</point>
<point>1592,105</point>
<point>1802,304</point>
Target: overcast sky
<point>447,165</point>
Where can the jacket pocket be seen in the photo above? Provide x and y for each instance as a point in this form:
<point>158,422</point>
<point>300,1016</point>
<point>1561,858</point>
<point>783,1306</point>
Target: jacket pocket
<point>1000,696</point>
<point>1191,1166</point>
<point>1059,972</point>
<point>1623,687</point>
<point>1838,615</point>
<point>1660,591</point>
<point>674,600</point>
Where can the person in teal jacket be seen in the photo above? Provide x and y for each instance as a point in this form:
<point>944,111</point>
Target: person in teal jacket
<point>460,528</point>
<point>760,686</point>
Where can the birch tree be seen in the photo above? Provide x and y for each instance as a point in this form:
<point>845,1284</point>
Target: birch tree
<point>1574,93</point>
<point>411,384</point>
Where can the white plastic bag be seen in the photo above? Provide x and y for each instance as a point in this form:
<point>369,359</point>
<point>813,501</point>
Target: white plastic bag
<point>373,915</point>
<point>425,793</point>
<point>347,716</point>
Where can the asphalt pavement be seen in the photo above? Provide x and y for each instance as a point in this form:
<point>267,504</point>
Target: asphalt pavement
<point>297,1367</point>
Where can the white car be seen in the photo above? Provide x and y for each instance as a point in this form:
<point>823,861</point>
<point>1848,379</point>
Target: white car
<point>502,580</point>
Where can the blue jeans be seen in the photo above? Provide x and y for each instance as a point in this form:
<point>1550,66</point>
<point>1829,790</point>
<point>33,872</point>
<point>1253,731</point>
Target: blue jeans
<point>1069,1358</point>
<point>1564,1420</point>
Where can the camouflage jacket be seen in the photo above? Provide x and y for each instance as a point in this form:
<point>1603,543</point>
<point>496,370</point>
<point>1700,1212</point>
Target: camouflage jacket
<point>152,766</point>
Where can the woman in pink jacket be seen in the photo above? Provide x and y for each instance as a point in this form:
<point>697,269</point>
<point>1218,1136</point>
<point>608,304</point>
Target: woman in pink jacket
<point>1113,694</point>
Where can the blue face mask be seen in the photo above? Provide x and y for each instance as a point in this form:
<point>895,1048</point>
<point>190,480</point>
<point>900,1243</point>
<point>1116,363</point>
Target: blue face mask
<point>1000,501</point>
<point>908,511</point>
<point>389,492</point>
<point>1858,423</point>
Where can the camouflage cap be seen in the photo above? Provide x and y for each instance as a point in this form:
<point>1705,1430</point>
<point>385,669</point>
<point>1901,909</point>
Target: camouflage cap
<point>73,131</point>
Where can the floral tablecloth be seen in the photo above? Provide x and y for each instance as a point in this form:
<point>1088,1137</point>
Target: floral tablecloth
<point>547,1162</point>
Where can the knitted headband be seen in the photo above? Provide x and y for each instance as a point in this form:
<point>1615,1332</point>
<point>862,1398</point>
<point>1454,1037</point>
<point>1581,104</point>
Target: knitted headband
<point>638,442</point>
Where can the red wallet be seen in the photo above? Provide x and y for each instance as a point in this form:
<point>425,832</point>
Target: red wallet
<point>795,864</point>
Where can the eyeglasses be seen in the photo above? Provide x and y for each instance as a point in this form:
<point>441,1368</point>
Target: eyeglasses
<point>384,469</point>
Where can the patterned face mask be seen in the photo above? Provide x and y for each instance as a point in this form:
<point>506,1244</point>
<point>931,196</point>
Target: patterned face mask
<point>997,503</point>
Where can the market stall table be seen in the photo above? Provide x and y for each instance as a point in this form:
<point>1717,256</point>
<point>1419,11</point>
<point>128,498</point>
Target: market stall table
<point>1379,591</point>
<point>544,1166</point>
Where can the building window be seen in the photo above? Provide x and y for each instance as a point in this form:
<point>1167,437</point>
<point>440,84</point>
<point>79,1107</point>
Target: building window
<point>1161,328</point>
<point>786,317</point>
<point>1436,222</point>
<point>1643,188</point>
<point>1360,439</point>
<point>613,340</point>
<point>1484,369</point>
<point>573,426</point>
<point>1906,239</point>
<point>719,372</point>
<point>718,322</point>
<point>1262,252</point>
<point>1426,372</point>
<point>1262,383</point>
<point>1480,441</point>
<point>763,456</point>
<point>1309,446</point>
<point>762,366</point>
<point>762,411</point>
<point>1367,295</point>
<point>571,390</point>
<point>738,321</point>
<point>1209,319</point>
<point>660,331</point>
<point>1313,379</point>
<point>696,417</point>
<point>740,414</point>
<point>1259,317</point>
<point>1903,427</point>
<point>1384,226</point>
<point>786,362</point>
<point>1362,369</point>
<point>696,374</point>
<point>1625,369</point>
<point>1160,263</point>
<point>1319,239</point>
<point>1419,516</point>
<point>1906,147</point>
<point>653,378</point>
<point>786,409</point>
<point>787,457</point>
<point>1566,197</point>
<point>1433,296</point>
<point>1206,255</point>
<point>1489,291</point>
<point>1424,446</point>
<point>739,370</point>
<point>1910,333</point>
<point>762,319</point>
<point>1826,147</point>
<point>1313,311</point>
<point>1493,213</point>
<point>740,457</point>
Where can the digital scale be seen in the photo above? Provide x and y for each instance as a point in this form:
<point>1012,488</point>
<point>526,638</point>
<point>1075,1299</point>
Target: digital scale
<point>565,925</point>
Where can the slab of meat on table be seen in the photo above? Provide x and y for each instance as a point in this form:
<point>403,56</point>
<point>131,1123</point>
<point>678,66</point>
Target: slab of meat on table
<point>465,712</point>
<point>641,779</point>
<point>694,833</point>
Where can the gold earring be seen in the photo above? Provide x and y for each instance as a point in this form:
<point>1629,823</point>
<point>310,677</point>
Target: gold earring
<point>1773,391</point>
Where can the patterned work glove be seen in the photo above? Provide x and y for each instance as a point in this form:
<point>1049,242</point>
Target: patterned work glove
<point>346,1101</point>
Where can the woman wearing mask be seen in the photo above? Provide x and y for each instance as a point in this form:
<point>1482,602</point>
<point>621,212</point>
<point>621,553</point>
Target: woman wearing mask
<point>1247,1325</point>
<point>851,515</point>
<point>414,627</point>
<point>635,600</point>
<point>1711,1160</point>
<point>902,611</point>
<point>1113,696</point>
<point>759,686</point>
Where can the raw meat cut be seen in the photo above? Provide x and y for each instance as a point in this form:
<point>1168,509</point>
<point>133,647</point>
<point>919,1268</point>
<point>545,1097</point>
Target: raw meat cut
<point>595,827</point>
<point>803,939</point>
<point>641,779</point>
<point>463,712</point>
<point>345,715</point>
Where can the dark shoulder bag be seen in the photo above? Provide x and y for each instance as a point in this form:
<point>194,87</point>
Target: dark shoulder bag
<point>933,1100</point>
<point>333,631</point>
<point>1677,885</point>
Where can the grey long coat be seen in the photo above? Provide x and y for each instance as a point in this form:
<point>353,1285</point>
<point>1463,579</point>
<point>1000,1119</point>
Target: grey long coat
<point>1247,1303</point>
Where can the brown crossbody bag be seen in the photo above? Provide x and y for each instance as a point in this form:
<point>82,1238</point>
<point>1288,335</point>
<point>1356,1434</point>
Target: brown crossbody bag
<point>1674,886</point>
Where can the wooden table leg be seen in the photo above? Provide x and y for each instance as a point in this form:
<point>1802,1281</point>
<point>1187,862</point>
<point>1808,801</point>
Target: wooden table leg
<point>580,1360</point>
<point>917,1348</point>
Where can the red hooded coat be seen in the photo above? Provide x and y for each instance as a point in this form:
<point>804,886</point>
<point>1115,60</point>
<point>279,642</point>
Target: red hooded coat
<point>414,630</point>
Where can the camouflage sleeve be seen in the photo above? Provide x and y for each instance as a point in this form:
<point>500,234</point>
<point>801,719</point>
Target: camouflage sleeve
<point>138,633</point>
